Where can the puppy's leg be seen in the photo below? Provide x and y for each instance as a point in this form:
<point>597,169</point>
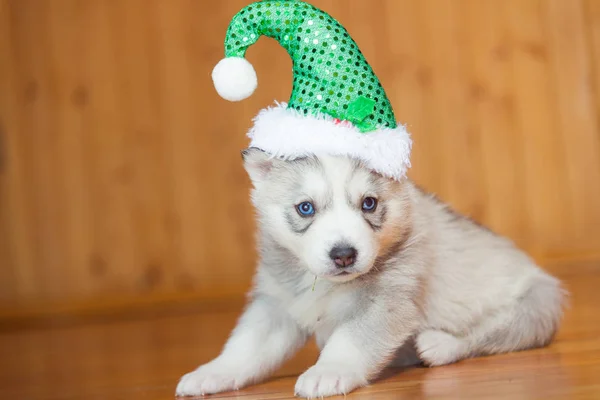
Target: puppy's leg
<point>436,347</point>
<point>264,337</point>
<point>357,351</point>
<point>531,321</point>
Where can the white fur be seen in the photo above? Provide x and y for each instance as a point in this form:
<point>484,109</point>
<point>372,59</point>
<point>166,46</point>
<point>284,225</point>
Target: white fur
<point>287,133</point>
<point>429,282</point>
<point>340,225</point>
<point>234,78</point>
<point>234,368</point>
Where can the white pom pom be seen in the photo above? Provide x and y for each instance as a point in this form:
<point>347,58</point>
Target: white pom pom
<point>234,78</point>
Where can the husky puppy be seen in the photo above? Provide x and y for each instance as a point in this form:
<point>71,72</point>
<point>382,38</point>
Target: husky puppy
<point>397,272</point>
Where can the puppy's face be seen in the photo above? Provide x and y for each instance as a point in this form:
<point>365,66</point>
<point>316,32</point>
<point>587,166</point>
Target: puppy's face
<point>334,215</point>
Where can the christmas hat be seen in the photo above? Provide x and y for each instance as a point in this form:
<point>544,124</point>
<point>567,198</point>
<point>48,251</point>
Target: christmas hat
<point>337,105</point>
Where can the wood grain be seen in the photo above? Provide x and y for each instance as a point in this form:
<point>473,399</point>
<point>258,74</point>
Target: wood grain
<point>143,358</point>
<point>545,193</point>
<point>120,174</point>
<point>577,114</point>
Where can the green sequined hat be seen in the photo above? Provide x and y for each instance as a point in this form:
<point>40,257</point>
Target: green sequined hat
<point>337,105</point>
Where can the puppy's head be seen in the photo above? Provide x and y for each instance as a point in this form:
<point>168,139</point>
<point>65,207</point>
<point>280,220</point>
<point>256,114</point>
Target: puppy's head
<point>336,216</point>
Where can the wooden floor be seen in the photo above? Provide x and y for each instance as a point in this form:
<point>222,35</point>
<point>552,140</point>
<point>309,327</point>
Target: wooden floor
<point>143,357</point>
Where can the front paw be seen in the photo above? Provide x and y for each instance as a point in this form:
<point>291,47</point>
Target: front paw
<point>208,379</point>
<point>328,380</point>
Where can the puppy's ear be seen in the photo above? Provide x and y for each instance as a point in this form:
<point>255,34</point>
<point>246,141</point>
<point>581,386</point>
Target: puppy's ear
<point>258,164</point>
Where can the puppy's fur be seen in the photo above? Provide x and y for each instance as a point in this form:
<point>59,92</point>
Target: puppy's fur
<point>426,282</point>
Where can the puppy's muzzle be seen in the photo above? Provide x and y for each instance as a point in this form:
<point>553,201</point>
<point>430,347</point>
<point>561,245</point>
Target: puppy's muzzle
<point>343,256</point>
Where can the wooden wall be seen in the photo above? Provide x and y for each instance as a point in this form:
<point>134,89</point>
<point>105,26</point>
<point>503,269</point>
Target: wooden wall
<point>120,173</point>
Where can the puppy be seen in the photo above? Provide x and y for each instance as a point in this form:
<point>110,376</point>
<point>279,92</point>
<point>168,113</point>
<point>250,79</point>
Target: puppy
<point>376,270</point>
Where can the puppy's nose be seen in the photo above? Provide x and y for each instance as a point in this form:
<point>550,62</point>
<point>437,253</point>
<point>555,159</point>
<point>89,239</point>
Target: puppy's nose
<point>343,256</point>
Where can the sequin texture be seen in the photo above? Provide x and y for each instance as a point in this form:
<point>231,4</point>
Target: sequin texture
<point>331,75</point>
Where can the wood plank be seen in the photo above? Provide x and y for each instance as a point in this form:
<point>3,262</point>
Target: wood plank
<point>404,88</point>
<point>137,61</point>
<point>546,192</point>
<point>113,261</point>
<point>123,175</point>
<point>592,23</point>
<point>459,157</point>
<point>21,91</point>
<point>66,43</point>
<point>144,358</point>
<point>39,116</point>
<point>488,56</point>
<point>180,120</point>
<point>578,119</point>
<point>431,176</point>
<point>7,256</point>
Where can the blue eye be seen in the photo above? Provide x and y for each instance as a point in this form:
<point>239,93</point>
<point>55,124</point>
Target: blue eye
<point>369,204</point>
<point>305,209</point>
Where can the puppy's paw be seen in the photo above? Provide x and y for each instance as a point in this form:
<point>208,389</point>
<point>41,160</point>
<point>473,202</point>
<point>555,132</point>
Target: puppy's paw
<point>328,380</point>
<point>439,348</point>
<point>208,379</point>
